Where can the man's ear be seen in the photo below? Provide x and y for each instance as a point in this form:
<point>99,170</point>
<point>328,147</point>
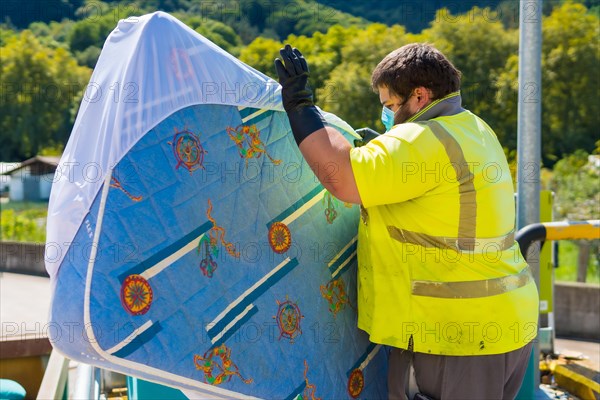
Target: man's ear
<point>423,96</point>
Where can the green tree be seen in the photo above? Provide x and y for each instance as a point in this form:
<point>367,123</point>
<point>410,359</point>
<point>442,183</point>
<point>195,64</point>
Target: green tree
<point>368,46</point>
<point>414,15</point>
<point>260,55</point>
<point>570,55</point>
<point>91,31</point>
<point>347,91</point>
<point>87,33</point>
<point>576,184</point>
<point>340,61</point>
<point>22,13</point>
<point>323,52</point>
<point>217,32</point>
<point>87,36</point>
<point>41,88</point>
<point>348,94</point>
<point>506,101</point>
<point>89,56</point>
<point>166,5</point>
<point>5,34</point>
<point>508,11</point>
<point>53,34</point>
<point>479,46</point>
<point>276,20</point>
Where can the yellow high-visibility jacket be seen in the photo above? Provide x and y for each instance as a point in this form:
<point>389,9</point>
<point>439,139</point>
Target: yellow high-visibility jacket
<point>439,270</point>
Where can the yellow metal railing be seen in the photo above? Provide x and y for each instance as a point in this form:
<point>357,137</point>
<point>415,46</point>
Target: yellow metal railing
<point>557,231</point>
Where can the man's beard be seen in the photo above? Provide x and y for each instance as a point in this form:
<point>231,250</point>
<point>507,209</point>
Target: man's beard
<point>402,115</point>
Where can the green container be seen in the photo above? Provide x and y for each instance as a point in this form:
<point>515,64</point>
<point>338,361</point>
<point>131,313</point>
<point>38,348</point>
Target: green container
<point>139,389</point>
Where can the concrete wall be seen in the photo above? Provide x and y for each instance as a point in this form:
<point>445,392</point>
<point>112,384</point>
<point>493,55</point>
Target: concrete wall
<point>15,189</point>
<point>46,186</point>
<point>30,187</point>
<point>23,258</point>
<point>577,310</point>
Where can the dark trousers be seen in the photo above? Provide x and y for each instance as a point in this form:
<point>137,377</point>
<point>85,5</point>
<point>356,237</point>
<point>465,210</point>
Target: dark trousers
<point>491,377</point>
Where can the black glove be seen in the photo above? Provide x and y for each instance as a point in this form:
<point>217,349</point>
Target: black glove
<point>297,97</point>
<point>367,134</point>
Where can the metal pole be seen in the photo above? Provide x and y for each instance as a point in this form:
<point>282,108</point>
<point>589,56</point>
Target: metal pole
<point>529,113</point>
<point>529,145</point>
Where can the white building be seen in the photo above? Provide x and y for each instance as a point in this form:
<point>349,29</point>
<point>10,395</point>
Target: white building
<point>32,179</point>
<point>5,179</point>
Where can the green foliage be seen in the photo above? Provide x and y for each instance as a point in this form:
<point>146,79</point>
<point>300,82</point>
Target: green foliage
<point>262,13</point>
<point>86,33</point>
<point>340,61</point>
<point>217,32</point>
<point>166,5</point>
<point>260,55</point>
<point>53,34</point>
<point>567,262</point>
<point>570,54</point>
<point>480,57</point>
<point>576,184</point>
<point>89,56</point>
<point>28,225</point>
<point>368,46</point>
<point>347,93</point>
<point>511,157</point>
<point>97,20</point>
<point>53,150</point>
<point>506,101</point>
<point>341,49</point>
<point>40,89</point>
<point>276,20</point>
<point>5,34</point>
<point>21,13</point>
<point>415,15</point>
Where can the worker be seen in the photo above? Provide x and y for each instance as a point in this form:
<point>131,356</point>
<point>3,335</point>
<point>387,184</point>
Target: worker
<point>441,279</point>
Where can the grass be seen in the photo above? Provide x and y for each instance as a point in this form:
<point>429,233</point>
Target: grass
<point>23,221</point>
<point>19,206</point>
<point>567,262</point>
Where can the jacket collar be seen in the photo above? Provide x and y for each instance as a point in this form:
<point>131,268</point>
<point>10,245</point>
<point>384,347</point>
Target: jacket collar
<point>446,106</point>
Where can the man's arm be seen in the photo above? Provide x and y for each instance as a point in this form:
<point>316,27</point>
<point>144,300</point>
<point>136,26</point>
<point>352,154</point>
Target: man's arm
<point>328,154</point>
<point>324,148</point>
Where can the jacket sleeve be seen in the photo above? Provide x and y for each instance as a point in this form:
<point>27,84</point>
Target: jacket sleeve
<point>396,167</point>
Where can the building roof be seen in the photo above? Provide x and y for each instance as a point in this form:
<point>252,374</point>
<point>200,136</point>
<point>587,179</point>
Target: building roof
<point>8,166</point>
<point>49,162</point>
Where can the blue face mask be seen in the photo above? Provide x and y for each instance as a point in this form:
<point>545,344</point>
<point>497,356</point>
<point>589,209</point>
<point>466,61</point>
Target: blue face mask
<point>387,117</point>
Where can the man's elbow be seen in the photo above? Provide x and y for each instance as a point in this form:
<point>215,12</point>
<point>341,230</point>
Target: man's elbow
<point>345,191</point>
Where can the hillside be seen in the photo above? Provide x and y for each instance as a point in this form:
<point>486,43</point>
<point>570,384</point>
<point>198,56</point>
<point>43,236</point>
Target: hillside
<point>414,15</point>
<point>253,18</point>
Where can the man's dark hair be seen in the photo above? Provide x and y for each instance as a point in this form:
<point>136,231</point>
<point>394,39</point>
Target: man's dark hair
<point>414,65</point>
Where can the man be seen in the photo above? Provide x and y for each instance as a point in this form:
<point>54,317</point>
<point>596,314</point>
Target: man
<point>441,279</point>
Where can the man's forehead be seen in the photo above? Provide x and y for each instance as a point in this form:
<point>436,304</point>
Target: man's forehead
<point>384,94</point>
